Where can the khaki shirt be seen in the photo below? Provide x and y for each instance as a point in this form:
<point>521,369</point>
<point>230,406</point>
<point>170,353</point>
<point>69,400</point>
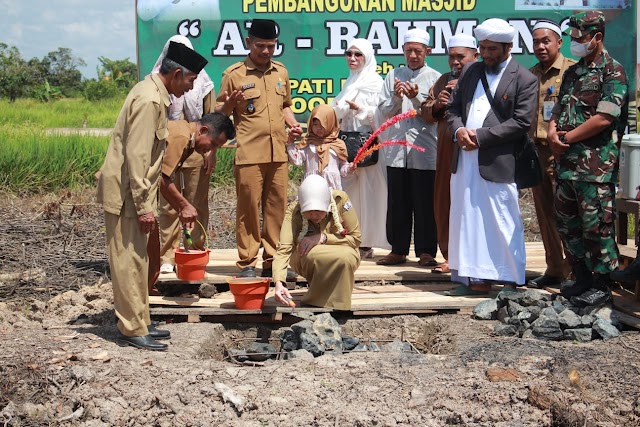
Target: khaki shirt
<point>131,170</point>
<point>548,89</point>
<point>292,226</point>
<point>196,160</point>
<point>180,146</point>
<point>260,128</point>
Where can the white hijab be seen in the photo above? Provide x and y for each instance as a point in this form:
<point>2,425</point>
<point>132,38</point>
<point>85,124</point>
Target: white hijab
<point>191,103</point>
<point>364,79</point>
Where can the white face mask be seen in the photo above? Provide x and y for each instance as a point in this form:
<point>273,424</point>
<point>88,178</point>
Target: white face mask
<point>580,50</point>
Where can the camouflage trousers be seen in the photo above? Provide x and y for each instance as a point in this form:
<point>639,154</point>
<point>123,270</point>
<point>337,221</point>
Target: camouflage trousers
<point>585,217</point>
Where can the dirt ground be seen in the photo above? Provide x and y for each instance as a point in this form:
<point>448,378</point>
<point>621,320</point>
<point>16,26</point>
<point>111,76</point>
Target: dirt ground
<point>59,364</point>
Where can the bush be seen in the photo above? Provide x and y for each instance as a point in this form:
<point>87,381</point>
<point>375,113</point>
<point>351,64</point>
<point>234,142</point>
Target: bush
<point>101,89</point>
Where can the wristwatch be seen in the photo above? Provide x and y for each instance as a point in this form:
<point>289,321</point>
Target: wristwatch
<point>323,239</point>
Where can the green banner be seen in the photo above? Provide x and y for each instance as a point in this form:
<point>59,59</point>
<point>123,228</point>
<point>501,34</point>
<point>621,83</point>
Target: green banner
<point>313,34</point>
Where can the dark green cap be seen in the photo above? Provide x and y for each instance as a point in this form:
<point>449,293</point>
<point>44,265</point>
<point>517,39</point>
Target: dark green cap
<point>585,23</point>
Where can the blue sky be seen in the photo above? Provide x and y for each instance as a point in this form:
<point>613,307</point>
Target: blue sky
<point>90,28</point>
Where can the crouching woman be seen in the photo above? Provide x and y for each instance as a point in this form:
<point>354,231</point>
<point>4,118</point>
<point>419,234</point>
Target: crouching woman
<point>320,238</point>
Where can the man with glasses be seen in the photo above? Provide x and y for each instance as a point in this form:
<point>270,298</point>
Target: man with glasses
<point>410,173</point>
<point>257,92</point>
<point>590,107</point>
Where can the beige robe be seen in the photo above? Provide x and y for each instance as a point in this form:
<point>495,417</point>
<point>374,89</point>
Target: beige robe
<point>329,268</point>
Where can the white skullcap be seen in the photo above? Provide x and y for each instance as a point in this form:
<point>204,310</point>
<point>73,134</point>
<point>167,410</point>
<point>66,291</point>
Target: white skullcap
<point>549,25</point>
<point>417,35</point>
<point>314,194</point>
<point>495,30</point>
<point>462,40</point>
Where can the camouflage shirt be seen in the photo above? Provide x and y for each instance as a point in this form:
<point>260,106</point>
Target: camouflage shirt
<point>599,87</point>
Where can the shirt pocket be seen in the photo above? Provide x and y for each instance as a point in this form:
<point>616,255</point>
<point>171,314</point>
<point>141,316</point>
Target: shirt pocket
<point>253,102</point>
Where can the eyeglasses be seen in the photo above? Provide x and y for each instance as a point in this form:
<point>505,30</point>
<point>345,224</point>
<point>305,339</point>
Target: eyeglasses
<point>350,53</point>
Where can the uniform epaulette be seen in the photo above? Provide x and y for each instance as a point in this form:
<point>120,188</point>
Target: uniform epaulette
<point>232,67</point>
<point>278,63</point>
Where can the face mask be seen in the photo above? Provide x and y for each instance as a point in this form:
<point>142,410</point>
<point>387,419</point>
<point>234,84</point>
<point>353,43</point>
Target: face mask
<point>580,50</point>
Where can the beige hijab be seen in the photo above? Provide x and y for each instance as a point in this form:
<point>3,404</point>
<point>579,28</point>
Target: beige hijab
<point>329,121</point>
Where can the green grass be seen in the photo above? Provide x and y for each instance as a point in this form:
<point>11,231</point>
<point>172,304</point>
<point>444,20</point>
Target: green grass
<point>61,113</point>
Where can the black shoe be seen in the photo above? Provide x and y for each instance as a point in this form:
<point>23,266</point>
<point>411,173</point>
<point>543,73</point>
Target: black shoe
<point>247,272</point>
<point>266,272</point>
<point>292,276</point>
<point>583,282</point>
<point>544,281</point>
<point>146,342</point>
<point>158,334</point>
<point>592,297</point>
<point>629,274</point>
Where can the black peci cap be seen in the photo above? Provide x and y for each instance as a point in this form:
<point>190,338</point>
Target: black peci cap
<point>263,29</point>
<point>188,58</point>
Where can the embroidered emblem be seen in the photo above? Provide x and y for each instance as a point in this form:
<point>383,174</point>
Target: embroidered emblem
<point>347,206</point>
<point>250,107</point>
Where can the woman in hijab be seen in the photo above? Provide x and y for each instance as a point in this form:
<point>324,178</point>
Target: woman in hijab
<point>321,152</point>
<point>357,109</point>
<point>196,171</point>
<point>320,236</point>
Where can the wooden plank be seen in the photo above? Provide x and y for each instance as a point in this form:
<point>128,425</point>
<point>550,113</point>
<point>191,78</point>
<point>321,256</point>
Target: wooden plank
<point>394,312</point>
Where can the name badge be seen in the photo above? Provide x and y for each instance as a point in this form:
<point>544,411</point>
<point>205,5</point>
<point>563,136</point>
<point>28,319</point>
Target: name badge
<point>248,86</point>
<point>547,107</point>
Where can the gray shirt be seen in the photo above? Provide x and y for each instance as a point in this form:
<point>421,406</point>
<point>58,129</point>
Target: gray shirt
<point>414,130</point>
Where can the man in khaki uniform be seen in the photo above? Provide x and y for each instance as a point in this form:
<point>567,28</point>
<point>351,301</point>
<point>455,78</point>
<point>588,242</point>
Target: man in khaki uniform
<point>547,40</point>
<point>128,190</point>
<point>185,141</point>
<point>257,93</point>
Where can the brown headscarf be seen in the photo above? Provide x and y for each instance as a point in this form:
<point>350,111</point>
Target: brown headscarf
<point>329,122</point>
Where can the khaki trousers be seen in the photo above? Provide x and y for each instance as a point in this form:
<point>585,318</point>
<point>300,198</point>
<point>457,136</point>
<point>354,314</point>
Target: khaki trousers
<point>129,264</point>
<point>557,264</point>
<point>262,185</point>
<point>196,191</point>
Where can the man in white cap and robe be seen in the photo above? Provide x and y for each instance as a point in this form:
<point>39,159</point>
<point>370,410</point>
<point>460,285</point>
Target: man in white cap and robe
<point>461,49</point>
<point>410,173</point>
<point>490,114</point>
<point>547,41</point>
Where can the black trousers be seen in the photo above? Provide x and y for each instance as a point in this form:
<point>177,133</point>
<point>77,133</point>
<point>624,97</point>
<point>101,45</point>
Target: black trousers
<point>410,206</point>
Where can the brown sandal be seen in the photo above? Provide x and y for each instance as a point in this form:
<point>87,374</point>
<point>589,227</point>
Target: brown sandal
<point>426,260</point>
<point>442,268</point>
<point>392,259</point>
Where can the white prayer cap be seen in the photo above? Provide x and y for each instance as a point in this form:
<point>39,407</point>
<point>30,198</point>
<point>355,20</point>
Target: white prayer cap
<point>549,25</point>
<point>462,40</point>
<point>495,30</point>
<point>417,35</point>
<point>314,194</point>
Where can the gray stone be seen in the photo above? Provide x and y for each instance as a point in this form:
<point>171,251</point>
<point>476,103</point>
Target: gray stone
<point>311,343</point>
<point>569,320</point>
<point>605,329</point>
<point>525,314</point>
<point>300,354</point>
<point>578,334</point>
<point>531,297</point>
<point>505,330</point>
<point>349,343</point>
<point>328,331</point>
<point>289,341</point>
<point>543,304</point>
<point>360,347</point>
<point>373,347</point>
<point>503,315</point>
<point>397,347</point>
<point>304,326</point>
<point>561,299</point>
<point>207,290</point>
<point>607,314</point>
<point>547,327</point>
<point>549,312</point>
<point>558,306</point>
<point>528,334</point>
<point>260,351</point>
<point>535,312</point>
<point>587,320</point>
<point>238,355</point>
<point>486,310</point>
<point>513,308</point>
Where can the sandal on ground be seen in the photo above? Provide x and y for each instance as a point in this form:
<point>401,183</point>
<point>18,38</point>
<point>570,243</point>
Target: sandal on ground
<point>462,291</point>
<point>392,259</point>
<point>442,268</point>
<point>166,268</point>
<point>366,253</point>
<point>427,260</point>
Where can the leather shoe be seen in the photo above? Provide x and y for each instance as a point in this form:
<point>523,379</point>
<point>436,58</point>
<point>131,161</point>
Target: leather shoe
<point>247,272</point>
<point>592,297</point>
<point>392,259</point>
<point>544,281</point>
<point>292,276</point>
<point>158,334</point>
<point>146,342</point>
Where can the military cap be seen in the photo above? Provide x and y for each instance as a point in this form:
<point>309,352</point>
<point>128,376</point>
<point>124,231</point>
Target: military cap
<point>585,23</point>
<point>188,58</point>
<point>263,29</point>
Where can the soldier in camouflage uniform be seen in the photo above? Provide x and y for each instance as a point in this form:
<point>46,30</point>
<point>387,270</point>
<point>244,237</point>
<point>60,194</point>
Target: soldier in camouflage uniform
<point>590,106</point>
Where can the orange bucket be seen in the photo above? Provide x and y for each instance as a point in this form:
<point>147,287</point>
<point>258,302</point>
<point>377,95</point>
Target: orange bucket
<point>190,265</point>
<point>249,292</point>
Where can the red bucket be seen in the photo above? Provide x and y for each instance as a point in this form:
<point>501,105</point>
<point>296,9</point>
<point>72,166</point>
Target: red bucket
<point>191,265</point>
<point>249,292</point>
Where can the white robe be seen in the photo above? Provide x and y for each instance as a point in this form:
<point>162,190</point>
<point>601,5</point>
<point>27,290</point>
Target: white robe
<point>486,237</point>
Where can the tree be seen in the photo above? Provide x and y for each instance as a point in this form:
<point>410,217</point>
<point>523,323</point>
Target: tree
<point>60,69</point>
<point>16,76</point>
<point>121,71</point>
